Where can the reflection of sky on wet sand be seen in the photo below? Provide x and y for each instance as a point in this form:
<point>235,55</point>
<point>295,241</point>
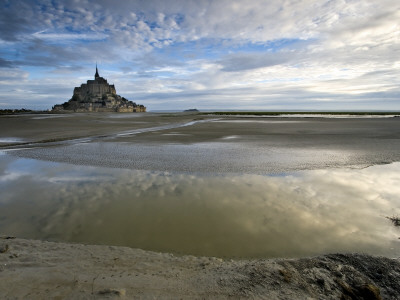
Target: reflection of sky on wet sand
<point>298,214</point>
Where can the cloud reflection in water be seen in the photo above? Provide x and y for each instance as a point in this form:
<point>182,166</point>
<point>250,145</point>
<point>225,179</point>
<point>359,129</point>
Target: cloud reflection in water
<point>298,214</point>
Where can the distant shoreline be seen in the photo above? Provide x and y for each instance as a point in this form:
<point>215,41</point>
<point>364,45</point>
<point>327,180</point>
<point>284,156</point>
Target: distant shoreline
<point>12,111</point>
<point>279,113</point>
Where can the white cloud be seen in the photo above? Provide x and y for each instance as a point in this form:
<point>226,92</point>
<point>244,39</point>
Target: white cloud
<point>44,35</point>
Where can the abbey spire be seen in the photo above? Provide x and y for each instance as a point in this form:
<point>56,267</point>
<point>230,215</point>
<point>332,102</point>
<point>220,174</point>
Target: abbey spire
<point>97,73</point>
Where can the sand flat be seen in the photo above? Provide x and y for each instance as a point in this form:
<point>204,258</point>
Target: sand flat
<point>204,143</point>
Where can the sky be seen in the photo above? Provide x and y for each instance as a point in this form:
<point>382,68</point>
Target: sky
<point>204,54</point>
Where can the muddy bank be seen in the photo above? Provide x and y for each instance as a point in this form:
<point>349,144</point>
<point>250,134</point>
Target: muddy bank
<point>31,269</point>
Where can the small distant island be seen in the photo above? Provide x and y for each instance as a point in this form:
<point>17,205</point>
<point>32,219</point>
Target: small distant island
<point>191,110</point>
<point>97,96</point>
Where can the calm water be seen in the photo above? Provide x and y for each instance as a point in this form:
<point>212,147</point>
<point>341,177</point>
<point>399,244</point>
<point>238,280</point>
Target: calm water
<point>295,214</point>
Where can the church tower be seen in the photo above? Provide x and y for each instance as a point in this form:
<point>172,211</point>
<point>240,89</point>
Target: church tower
<point>97,73</point>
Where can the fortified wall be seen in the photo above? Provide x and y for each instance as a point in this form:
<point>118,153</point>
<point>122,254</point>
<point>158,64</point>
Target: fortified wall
<point>98,96</point>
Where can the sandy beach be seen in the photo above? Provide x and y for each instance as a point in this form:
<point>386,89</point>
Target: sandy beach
<point>187,144</point>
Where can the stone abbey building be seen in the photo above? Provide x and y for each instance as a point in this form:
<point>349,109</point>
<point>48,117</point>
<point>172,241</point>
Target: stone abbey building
<point>98,96</point>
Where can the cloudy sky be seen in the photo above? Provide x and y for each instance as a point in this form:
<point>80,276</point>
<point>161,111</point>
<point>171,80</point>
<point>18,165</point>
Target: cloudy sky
<point>205,54</point>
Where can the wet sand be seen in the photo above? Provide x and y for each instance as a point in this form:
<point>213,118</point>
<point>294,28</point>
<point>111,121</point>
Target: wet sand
<point>194,143</point>
<point>203,143</point>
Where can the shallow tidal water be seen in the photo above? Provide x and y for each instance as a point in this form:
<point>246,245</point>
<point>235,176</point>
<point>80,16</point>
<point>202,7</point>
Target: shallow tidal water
<point>226,215</point>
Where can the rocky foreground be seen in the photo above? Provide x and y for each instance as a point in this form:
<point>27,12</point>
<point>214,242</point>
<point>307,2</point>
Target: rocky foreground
<point>31,269</point>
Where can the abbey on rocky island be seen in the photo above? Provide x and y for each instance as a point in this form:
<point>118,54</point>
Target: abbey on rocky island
<point>98,96</point>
